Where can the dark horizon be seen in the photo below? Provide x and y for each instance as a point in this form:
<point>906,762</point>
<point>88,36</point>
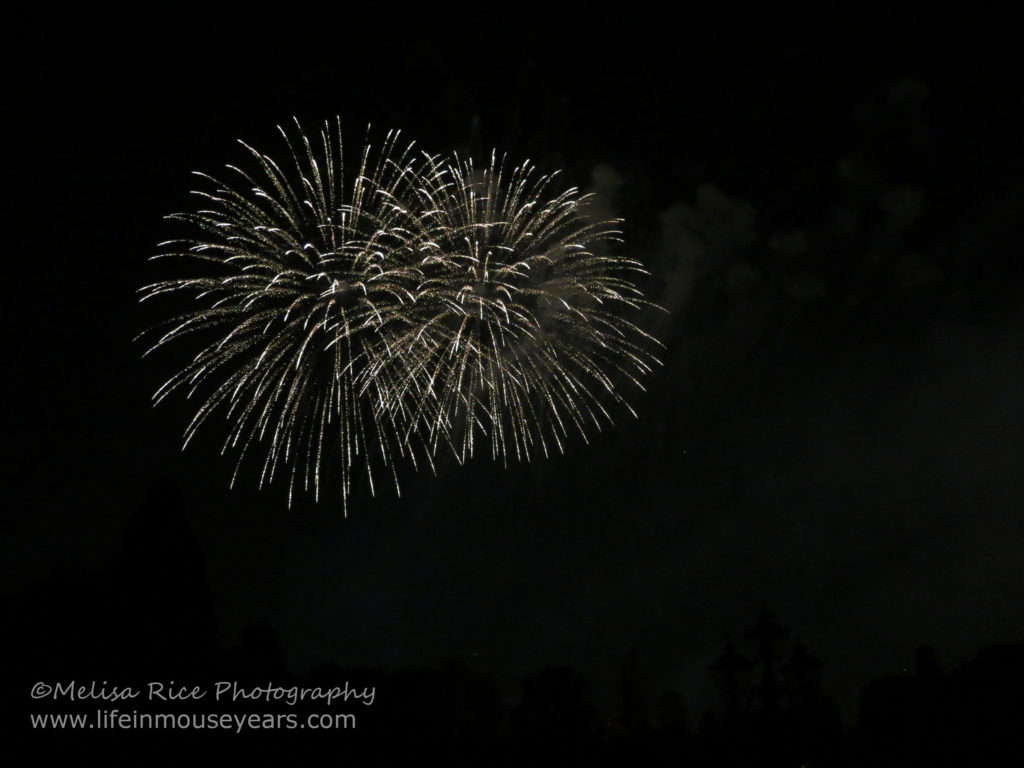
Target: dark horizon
<point>146,621</point>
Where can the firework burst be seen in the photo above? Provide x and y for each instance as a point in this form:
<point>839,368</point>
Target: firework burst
<point>307,273</point>
<point>517,335</point>
<point>422,306</point>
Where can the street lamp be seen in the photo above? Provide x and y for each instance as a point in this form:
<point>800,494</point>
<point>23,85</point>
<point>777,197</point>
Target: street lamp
<point>732,673</point>
<point>802,675</point>
<point>768,637</point>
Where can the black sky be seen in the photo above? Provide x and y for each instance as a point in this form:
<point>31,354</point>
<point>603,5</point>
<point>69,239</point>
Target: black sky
<point>830,206</point>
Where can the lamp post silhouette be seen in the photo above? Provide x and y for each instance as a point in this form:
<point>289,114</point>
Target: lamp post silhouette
<point>761,725</point>
<point>769,639</point>
<point>733,673</point>
<point>802,676</point>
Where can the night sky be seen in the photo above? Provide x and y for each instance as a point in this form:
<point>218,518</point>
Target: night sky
<point>830,208</point>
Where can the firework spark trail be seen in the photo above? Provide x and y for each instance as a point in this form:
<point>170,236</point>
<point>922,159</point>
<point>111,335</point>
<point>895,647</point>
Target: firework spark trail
<point>516,320</point>
<point>423,306</point>
<point>312,271</point>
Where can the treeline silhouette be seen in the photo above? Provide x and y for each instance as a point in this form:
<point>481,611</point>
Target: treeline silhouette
<point>148,616</point>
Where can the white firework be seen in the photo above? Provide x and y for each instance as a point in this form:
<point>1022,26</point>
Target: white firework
<point>518,333</point>
<point>306,271</point>
<point>422,306</point>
